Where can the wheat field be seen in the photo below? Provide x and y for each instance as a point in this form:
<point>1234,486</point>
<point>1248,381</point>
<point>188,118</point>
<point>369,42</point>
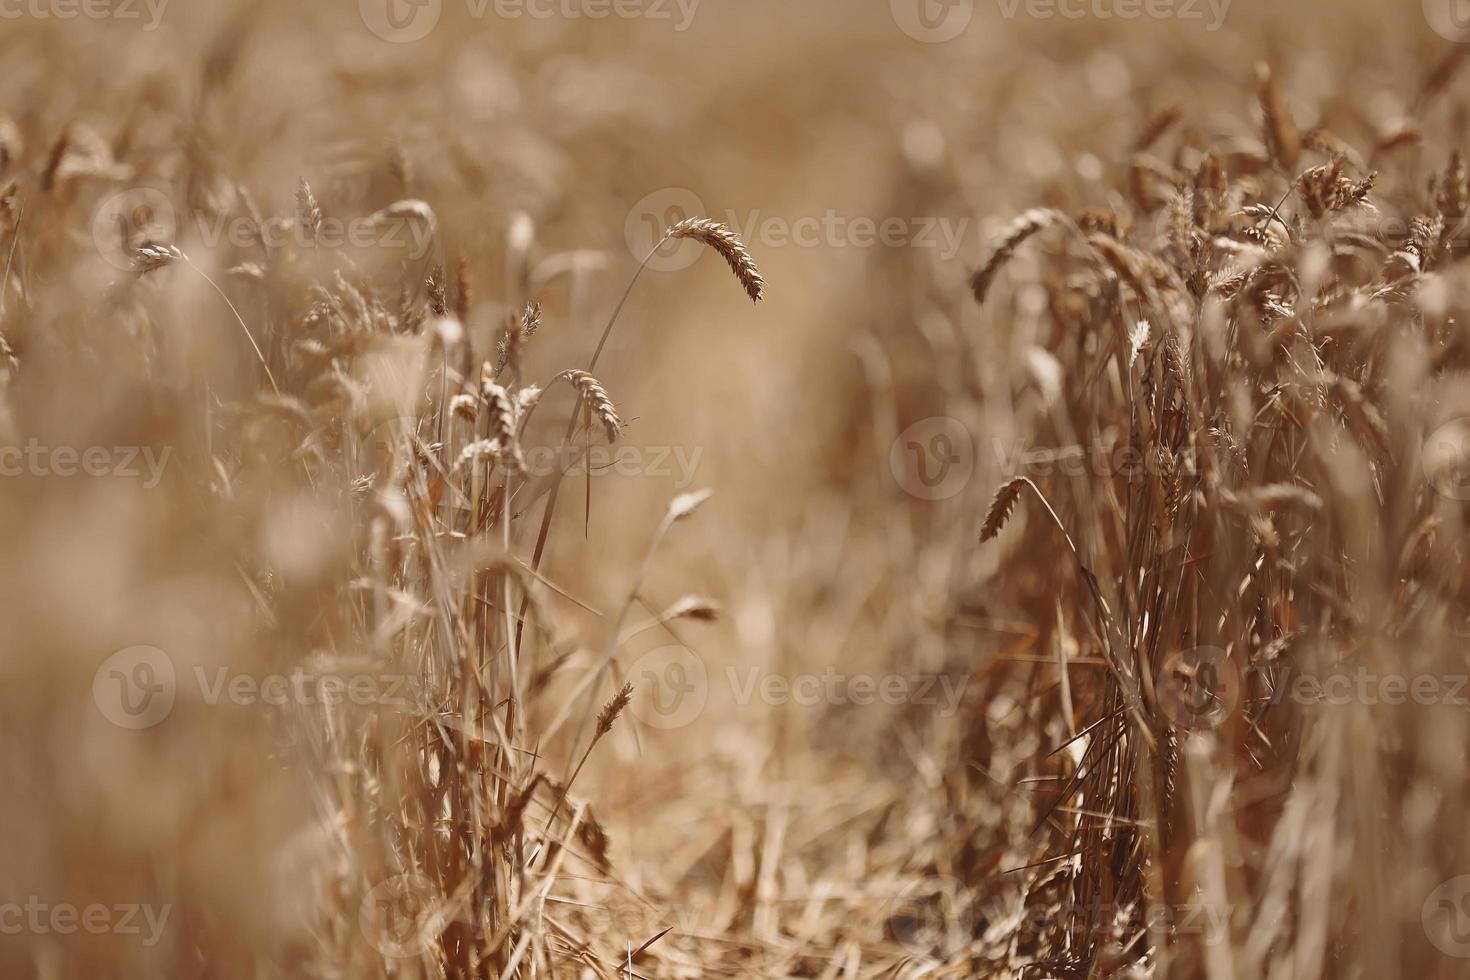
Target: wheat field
<point>686,488</point>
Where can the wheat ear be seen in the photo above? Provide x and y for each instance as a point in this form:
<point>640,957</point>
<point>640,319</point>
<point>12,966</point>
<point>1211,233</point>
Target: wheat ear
<point>720,238</point>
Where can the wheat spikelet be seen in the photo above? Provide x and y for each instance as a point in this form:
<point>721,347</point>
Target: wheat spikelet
<point>1001,507</point>
<point>308,211</point>
<point>1281,133</point>
<point>720,238</point>
<point>1028,224</point>
<point>517,333</point>
<point>151,256</point>
<point>503,424</point>
<point>612,709</point>
<point>597,397</point>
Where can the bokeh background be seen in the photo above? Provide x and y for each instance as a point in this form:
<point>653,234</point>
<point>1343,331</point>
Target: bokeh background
<point>549,149</point>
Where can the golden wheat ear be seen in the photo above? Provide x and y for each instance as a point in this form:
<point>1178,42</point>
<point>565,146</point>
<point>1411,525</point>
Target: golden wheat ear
<point>719,237</point>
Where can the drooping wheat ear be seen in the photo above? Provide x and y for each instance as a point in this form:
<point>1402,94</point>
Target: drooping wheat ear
<point>1282,138</point>
<point>463,406</point>
<point>720,238</point>
<point>503,424</point>
<point>1001,507</point>
<point>152,256</point>
<point>1028,224</point>
<point>597,397</point>
<point>308,211</point>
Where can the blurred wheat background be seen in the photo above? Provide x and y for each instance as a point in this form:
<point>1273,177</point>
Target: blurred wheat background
<point>325,570</point>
